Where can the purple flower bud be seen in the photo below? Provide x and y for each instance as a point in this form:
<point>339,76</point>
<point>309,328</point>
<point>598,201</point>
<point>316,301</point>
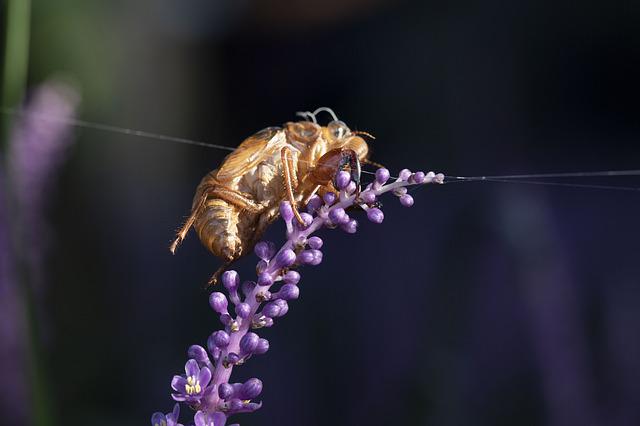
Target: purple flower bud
<point>248,343</point>
<point>338,216</point>
<point>230,280</point>
<point>198,353</point>
<point>225,391</point>
<point>283,305</point>
<point>271,310</point>
<point>265,279</point>
<point>218,302</point>
<point>305,257</point>
<point>350,227</point>
<point>329,198</point>
<point>382,176</point>
<point>292,277</point>
<point>286,211</point>
<point>250,389</point>
<point>306,218</point>
<point>406,200</point>
<point>289,292</point>
<point>220,339</point>
<point>375,215</point>
<point>439,178</point>
<point>261,266</point>
<point>315,242</point>
<point>285,258</point>
<point>317,257</point>
<point>211,344</point>
<point>243,310</point>
<point>314,204</point>
<point>247,287</point>
<point>404,175</point>
<point>265,250</point>
<point>232,358</point>
<point>418,177</point>
<point>262,347</point>
<point>368,197</point>
<point>351,188</point>
<point>268,322</point>
<point>234,405</point>
<point>342,179</point>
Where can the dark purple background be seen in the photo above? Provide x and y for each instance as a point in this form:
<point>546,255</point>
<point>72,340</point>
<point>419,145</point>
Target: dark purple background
<point>484,304</point>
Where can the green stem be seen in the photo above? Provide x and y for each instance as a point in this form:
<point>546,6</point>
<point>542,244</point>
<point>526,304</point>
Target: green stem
<point>16,58</point>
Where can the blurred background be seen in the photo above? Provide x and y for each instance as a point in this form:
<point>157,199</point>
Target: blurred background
<point>484,304</point>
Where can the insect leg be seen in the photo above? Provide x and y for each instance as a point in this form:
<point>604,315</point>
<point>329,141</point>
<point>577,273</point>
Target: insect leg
<point>374,164</point>
<point>290,180</point>
<point>217,191</point>
<point>182,233</point>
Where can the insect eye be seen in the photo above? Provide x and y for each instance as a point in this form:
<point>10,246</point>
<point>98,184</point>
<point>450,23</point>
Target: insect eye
<point>338,129</point>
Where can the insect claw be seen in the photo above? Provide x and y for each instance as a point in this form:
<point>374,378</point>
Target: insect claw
<point>174,245</point>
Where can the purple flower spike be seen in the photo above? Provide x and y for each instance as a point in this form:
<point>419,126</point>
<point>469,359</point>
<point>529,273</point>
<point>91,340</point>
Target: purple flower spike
<point>289,292</point>
<point>265,250</point>
<point>315,242</point>
<point>216,399</point>
<point>285,259</point>
<point>230,280</point>
<point>342,179</point>
<point>243,310</point>
<point>406,200</point>
<point>191,388</point>
<point>329,198</point>
<point>263,347</point>
<point>375,215</point>
<point>382,176</point>
<point>368,197</point>
<point>225,391</point>
<point>221,339</point>
<point>248,343</point>
<point>292,277</point>
<point>250,389</point>
<point>404,175</point>
<point>286,211</point>
<point>350,227</point>
<point>218,302</point>
<point>265,279</point>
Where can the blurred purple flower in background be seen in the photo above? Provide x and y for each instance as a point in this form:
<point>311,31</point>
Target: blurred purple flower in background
<point>206,386</point>
<point>39,137</point>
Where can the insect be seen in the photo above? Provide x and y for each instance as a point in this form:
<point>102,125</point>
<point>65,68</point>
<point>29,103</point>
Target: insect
<point>235,203</point>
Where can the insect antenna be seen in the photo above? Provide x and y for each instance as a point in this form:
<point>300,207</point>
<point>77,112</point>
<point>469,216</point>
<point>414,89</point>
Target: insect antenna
<point>326,109</point>
<point>309,116</point>
<point>362,132</point>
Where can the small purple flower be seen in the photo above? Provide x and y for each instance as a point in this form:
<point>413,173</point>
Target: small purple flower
<point>191,387</point>
<point>375,215</point>
<point>170,419</point>
<point>216,419</point>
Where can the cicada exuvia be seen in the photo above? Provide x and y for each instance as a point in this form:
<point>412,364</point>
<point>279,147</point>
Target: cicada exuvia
<point>236,202</point>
